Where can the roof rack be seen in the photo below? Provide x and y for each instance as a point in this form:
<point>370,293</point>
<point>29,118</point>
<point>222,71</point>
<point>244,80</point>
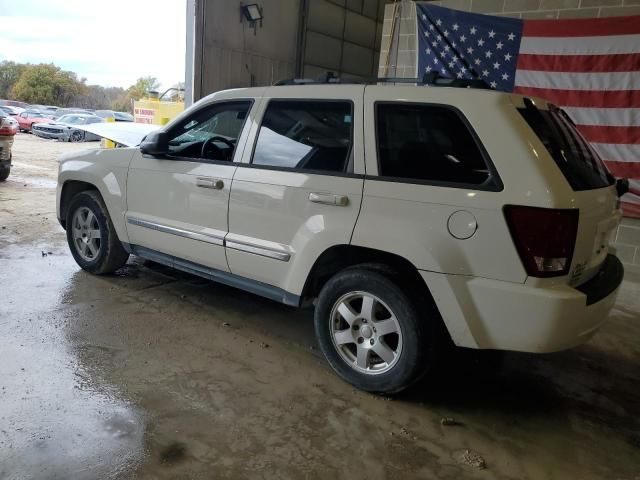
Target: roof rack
<point>432,79</point>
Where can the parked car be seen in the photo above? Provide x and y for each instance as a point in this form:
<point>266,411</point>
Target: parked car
<point>8,130</point>
<point>30,117</point>
<point>123,117</point>
<point>65,128</point>
<point>9,110</point>
<point>407,215</point>
<point>110,115</point>
<point>15,103</point>
<point>68,111</point>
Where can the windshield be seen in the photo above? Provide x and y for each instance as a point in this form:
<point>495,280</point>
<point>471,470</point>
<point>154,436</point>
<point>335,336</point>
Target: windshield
<point>72,119</point>
<point>578,161</point>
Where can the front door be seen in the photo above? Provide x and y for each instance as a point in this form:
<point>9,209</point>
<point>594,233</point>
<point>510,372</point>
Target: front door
<point>298,189</point>
<point>177,203</point>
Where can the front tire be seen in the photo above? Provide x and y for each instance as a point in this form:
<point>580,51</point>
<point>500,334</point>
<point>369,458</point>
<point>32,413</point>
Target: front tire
<point>76,136</point>
<point>4,172</point>
<point>91,236</point>
<point>372,333</point>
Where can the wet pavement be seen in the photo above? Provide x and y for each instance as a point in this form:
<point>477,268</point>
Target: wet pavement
<point>155,374</point>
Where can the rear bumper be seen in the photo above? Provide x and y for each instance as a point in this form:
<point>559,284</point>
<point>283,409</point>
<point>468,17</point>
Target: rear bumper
<point>499,315</point>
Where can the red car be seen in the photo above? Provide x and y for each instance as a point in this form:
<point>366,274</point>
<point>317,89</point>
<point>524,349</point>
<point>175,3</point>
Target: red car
<point>27,118</point>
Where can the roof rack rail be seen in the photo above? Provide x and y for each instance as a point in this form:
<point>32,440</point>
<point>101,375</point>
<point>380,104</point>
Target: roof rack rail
<point>432,79</point>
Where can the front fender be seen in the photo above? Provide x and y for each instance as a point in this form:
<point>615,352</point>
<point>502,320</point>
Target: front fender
<point>106,170</point>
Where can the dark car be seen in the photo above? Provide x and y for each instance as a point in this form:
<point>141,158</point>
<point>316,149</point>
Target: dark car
<point>65,128</point>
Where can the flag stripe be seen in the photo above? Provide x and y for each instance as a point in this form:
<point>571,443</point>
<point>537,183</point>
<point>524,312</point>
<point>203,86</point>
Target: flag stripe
<point>624,169</point>
<point>623,62</point>
<point>579,81</point>
<point>614,44</point>
<point>578,27</point>
<point>602,134</point>
<point>585,98</point>
<point>622,117</point>
<point>618,152</point>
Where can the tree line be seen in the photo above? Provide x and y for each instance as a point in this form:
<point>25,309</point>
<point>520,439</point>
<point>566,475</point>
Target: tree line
<point>47,84</point>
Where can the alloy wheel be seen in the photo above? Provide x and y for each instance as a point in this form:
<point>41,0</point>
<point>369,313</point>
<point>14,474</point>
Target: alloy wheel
<point>86,234</point>
<point>366,333</point>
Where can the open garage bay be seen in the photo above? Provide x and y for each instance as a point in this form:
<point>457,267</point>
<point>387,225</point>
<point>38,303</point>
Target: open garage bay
<point>152,373</point>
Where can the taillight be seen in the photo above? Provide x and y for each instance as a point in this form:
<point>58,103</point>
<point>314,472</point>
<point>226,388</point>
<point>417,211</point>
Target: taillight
<point>544,237</point>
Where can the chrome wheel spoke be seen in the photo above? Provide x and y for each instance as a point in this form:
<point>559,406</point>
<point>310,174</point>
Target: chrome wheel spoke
<point>92,249</point>
<point>362,360</point>
<point>384,352</point>
<point>348,314</point>
<point>90,219</point>
<point>343,337</point>
<point>367,311</point>
<point>95,234</point>
<point>385,327</point>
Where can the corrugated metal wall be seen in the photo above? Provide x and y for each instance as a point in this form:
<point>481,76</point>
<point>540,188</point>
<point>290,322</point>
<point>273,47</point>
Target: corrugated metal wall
<point>342,36</point>
<point>297,38</point>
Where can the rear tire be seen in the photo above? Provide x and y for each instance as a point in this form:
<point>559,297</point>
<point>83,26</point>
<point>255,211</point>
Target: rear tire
<point>91,236</point>
<point>371,333</point>
<point>4,173</point>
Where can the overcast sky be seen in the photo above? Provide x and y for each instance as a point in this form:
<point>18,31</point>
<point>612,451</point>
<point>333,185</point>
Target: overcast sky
<point>110,42</point>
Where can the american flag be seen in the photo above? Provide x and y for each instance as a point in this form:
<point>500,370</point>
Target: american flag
<point>589,67</point>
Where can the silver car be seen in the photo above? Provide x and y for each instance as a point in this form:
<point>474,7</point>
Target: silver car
<point>64,129</point>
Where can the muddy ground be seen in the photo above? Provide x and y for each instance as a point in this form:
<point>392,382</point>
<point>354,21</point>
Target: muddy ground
<point>156,374</point>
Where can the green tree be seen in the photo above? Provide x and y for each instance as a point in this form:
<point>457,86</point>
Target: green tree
<point>49,85</point>
<point>142,87</point>
<point>10,72</point>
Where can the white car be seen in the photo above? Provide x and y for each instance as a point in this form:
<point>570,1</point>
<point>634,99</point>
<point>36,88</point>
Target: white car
<point>402,212</point>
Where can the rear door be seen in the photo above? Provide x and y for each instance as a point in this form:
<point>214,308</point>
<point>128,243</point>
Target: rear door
<point>298,189</point>
<point>594,194</point>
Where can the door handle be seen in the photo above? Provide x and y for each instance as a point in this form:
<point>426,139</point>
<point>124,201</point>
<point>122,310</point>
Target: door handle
<point>207,182</point>
<point>329,199</point>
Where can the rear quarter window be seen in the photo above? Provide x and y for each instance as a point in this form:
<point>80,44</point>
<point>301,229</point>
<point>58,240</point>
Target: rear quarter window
<point>577,160</point>
<point>428,144</point>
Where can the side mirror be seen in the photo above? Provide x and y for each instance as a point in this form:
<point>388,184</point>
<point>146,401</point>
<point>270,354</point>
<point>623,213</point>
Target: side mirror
<point>622,186</point>
<point>156,144</point>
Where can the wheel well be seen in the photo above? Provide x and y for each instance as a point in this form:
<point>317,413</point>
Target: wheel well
<point>339,257</point>
<point>69,190</point>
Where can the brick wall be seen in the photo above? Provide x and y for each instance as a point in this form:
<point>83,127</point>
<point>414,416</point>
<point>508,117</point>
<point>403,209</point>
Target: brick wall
<point>547,8</point>
<point>398,56</point>
<point>627,241</point>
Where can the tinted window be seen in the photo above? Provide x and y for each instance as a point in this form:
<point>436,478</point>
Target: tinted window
<point>211,132</point>
<point>427,143</point>
<point>578,162</point>
<point>306,135</point>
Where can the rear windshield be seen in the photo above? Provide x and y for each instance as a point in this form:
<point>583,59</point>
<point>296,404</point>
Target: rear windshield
<point>580,164</point>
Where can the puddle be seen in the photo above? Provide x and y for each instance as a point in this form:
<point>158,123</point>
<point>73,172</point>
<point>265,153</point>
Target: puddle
<point>57,419</point>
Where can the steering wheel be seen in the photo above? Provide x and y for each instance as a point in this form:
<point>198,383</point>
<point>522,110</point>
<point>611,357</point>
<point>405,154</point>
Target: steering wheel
<point>209,142</point>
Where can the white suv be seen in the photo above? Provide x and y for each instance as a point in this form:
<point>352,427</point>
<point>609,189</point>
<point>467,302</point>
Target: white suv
<point>401,211</point>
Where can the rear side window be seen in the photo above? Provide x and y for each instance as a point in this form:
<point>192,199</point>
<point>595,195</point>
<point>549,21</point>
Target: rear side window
<point>428,143</point>
<point>306,135</point>
<point>577,160</point>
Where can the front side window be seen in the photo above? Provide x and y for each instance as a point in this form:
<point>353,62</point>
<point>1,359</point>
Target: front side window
<point>210,133</point>
<point>427,143</point>
<point>306,135</point>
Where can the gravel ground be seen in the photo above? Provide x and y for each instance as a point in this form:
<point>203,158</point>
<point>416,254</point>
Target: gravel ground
<point>155,374</point>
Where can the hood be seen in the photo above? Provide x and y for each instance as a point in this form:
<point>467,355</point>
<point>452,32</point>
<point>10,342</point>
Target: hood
<point>124,133</point>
